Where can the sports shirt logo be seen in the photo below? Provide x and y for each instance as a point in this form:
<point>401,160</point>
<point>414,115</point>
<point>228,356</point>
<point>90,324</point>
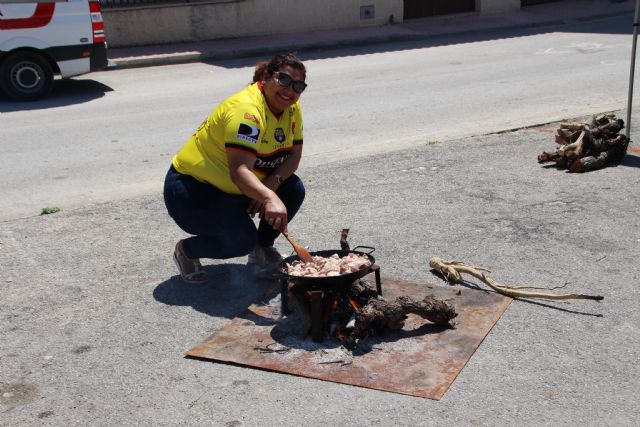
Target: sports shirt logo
<point>278,134</point>
<point>248,133</point>
<point>252,117</point>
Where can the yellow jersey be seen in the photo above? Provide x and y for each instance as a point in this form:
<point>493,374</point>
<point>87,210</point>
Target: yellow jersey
<point>241,122</point>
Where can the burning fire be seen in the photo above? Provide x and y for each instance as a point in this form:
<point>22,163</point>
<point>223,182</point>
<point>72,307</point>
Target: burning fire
<point>353,303</point>
<point>339,314</point>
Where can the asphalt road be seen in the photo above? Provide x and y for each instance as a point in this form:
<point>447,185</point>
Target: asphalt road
<point>95,321</point>
<point>111,135</point>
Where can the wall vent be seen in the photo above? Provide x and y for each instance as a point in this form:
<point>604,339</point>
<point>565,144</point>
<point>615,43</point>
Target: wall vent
<point>367,12</point>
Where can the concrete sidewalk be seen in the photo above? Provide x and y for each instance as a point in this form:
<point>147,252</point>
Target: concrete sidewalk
<point>547,14</point>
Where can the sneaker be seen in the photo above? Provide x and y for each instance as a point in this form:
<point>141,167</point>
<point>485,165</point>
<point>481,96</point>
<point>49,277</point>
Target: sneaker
<point>265,261</point>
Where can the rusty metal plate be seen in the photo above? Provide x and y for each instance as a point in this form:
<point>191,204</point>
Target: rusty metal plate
<point>420,360</point>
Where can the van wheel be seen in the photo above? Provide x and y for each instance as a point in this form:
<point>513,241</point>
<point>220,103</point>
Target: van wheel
<point>26,76</point>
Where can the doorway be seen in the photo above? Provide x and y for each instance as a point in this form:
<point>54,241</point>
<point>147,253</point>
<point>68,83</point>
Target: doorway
<point>424,8</point>
<point>524,3</point>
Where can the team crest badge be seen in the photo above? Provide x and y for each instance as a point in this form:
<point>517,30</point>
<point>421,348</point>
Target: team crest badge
<point>279,135</point>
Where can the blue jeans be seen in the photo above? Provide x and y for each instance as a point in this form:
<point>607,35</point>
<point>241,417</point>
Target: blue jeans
<point>218,221</point>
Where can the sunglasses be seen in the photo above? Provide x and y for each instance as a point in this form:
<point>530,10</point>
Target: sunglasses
<point>285,80</point>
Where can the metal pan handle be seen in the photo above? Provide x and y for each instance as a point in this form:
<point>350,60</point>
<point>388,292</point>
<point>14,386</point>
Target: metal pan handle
<point>364,247</point>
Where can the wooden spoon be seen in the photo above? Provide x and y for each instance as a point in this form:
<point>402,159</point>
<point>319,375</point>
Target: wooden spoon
<point>304,254</point>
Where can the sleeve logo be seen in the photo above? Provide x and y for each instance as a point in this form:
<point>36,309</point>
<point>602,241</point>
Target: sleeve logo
<point>248,133</point>
<point>252,117</point>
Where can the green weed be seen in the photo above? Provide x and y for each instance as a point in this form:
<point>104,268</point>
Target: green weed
<point>47,211</point>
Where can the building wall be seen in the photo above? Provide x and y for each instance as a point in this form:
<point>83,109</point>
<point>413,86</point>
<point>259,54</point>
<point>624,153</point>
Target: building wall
<point>239,18</point>
<point>219,19</point>
<point>495,6</point>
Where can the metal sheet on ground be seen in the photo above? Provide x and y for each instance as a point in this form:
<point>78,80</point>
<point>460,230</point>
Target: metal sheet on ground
<point>420,360</point>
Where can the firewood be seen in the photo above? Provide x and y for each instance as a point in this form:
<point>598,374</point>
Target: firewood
<point>546,157</point>
<point>613,126</point>
<point>589,163</point>
<point>618,140</point>
<point>561,162</point>
<point>615,153</point>
<point>563,136</point>
<point>572,126</point>
<point>575,149</point>
<point>451,270</point>
<point>363,290</point>
<point>379,314</point>
<point>588,146</point>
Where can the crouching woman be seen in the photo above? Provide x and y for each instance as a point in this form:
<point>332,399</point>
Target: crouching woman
<point>241,162</point>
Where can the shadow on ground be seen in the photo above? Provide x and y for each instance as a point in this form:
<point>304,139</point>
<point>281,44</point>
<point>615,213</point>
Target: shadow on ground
<point>230,290</point>
<point>65,92</point>
<point>631,161</point>
<point>560,305</point>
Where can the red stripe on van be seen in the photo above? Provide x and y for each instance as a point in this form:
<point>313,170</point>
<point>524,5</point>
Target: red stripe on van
<point>41,17</point>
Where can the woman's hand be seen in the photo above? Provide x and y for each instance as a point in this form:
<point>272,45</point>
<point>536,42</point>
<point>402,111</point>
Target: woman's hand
<point>263,197</point>
<point>256,207</point>
<point>275,213</point>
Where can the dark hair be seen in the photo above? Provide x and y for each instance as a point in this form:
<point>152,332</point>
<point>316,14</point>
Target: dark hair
<point>266,69</point>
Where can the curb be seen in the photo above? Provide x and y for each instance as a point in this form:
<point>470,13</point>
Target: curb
<point>244,53</point>
<point>190,57</point>
<point>604,15</point>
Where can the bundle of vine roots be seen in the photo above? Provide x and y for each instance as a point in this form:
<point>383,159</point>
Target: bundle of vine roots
<point>588,146</point>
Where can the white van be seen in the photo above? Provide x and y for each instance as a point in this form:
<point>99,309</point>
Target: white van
<point>45,38</point>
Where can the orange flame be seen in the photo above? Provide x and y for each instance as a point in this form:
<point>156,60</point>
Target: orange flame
<point>353,303</point>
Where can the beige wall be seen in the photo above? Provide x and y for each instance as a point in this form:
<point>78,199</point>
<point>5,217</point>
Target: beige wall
<point>238,18</point>
<point>218,19</point>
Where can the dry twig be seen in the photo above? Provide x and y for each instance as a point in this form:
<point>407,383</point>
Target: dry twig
<point>451,271</point>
